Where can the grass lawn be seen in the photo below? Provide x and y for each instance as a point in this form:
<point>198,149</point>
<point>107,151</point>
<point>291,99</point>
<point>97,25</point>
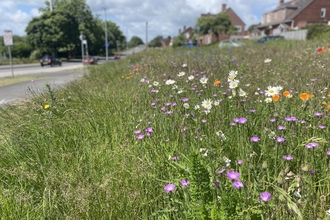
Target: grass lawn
<point>202,133</point>
<point>9,80</point>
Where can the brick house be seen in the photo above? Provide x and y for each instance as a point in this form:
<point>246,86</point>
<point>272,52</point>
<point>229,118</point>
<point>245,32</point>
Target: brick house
<point>294,14</point>
<point>236,21</point>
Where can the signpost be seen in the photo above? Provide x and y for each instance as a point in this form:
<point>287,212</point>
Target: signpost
<point>8,41</point>
<point>81,37</point>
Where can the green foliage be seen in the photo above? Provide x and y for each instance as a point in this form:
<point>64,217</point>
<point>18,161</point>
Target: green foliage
<point>156,42</point>
<point>179,41</point>
<point>318,31</point>
<point>135,41</point>
<point>217,24</point>
<point>20,48</point>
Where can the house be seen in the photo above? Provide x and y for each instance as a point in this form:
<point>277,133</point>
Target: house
<point>236,21</point>
<point>188,33</point>
<point>294,14</point>
<point>166,41</point>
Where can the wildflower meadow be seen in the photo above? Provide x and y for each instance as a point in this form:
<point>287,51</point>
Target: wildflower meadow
<point>202,133</point>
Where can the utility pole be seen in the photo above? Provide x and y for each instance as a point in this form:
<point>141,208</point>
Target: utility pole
<point>126,39</point>
<point>106,34</point>
<point>146,35</point>
<point>51,5</point>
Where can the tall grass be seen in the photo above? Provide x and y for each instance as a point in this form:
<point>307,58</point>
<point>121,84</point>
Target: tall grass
<point>124,142</point>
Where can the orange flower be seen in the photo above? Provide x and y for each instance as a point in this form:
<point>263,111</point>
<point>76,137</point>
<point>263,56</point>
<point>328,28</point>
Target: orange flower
<point>276,97</point>
<point>304,96</point>
<point>286,93</point>
<point>328,48</point>
<point>216,83</point>
<point>328,95</point>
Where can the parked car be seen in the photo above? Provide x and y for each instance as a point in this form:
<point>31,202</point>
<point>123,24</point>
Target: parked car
<point>270,38</point>
<point>230,43</point>
<point>90,60</point>
<point>50,61</point>
<point>117,56</point>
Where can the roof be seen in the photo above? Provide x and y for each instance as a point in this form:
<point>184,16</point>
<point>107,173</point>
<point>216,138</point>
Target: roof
<point>298,6</point>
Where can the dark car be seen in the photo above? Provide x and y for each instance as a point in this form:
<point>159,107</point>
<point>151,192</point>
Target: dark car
<point>90,60</point>
<point>117,56</point>
<point>50,61</point>
<point>270,38</point>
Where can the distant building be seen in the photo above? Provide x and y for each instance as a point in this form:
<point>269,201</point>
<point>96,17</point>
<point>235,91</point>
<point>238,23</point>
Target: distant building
<point>294,14</point>
<point>236,21</point>
<point>188,33</point>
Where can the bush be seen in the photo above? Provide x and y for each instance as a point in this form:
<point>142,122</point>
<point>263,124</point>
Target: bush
<point>318,31</point>
<point>35,55</point>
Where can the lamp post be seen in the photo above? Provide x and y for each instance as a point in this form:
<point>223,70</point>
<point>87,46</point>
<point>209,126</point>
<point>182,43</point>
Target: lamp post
<point>81,37</point>
<point>106,34</point>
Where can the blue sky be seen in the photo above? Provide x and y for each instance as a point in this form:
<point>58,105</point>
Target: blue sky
<point>164,18</point>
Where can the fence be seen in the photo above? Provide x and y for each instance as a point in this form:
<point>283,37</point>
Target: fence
<point>295,35</point>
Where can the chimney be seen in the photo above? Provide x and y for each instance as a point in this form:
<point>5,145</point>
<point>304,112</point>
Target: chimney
<point>184,28</point>
<point>223,7</point>
<point>281,2</point>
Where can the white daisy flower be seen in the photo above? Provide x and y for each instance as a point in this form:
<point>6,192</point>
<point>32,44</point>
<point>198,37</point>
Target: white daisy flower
<point>268,100</point>
<point>203,80</point>
<point>180,91</point>
<point>170,82</point>
<point>191,77</point>
<point>233,91</point>
<point>233,84</point>
<point>267,60</point>
<point>207,104</point>
<point>242,93</point>
<point>230,79</point>
<point>197,107</point>
<point>181,73</point>
<point>271,91</point>
<point>175,87</point>
<point>155,83</point>
<point>216,103</point>
<point>142,80</point>
<point>279,88</point>
<point>186,105</point>
<point>233,73</point>
<point>184,65</point>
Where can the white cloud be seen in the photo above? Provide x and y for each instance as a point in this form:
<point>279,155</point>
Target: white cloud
<point>164,17</point>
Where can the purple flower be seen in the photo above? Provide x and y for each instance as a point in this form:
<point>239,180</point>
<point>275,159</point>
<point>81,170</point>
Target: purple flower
<point>242,120</point>
<point>237,184</point>
<point>154,90</point>
<point>292,118</point>
<point>254,139</point>
<point>185,183</point>
<point>216,183</point>
<point>140,136</point>
<point>185,99</point>
<point>220,171</point>
<point>167,104</point>
<point>322,127</point>
<point>252,110</point>
<point>280,139</point>
<point>272,120</point>
<point>137,131</point>
<point>289,157</point>
<point>265,196</point>
<point>203,120</point>
<point>239,162</point>
<point>281,127</point>
<point>312,172</point>
<point>169,187</point>
<point>328,153</point>
<point>235,120</point>
<point>311,145</point>
<point>149,130</point>
<point>318,114</point>
<point>232,175</point>
<point>174,104</point>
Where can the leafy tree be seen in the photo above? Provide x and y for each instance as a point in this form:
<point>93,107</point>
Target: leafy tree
<point>20,47</point>
<point>218,24</point>
<point>135,41</point>
<point>156,42</point>
<point>179,41</point>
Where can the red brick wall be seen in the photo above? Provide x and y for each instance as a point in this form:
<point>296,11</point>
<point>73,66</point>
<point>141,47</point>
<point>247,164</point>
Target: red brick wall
<point>312,13</point>
<point>236,21</point>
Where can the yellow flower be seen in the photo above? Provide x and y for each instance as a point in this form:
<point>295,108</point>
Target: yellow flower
<point>46,106</point>
<point>328,95</point>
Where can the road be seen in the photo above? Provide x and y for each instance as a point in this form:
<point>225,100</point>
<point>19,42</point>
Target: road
<point>57,77</point>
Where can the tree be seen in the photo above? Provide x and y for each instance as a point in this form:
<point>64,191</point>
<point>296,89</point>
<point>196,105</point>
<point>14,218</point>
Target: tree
<point>218,24</point>
<point>20,47</point>
<point>135,41</point>
<point>156,42</point>
<point>179,41</point>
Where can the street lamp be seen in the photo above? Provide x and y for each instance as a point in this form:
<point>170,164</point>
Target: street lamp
<point>81,37</point>
<point>106,33</point>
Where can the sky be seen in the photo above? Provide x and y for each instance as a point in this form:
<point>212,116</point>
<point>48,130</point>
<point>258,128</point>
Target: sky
<point>164,18</point>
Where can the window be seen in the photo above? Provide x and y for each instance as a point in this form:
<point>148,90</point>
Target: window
<point>323,10</point>
<point>239,28</point>
<point>283,13</point>
<point>275,16</point>
<point>268,17</point>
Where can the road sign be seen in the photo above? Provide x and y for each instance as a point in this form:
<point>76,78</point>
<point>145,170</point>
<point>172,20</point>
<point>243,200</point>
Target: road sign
<point>8,38</point>
<point>106,45</point>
